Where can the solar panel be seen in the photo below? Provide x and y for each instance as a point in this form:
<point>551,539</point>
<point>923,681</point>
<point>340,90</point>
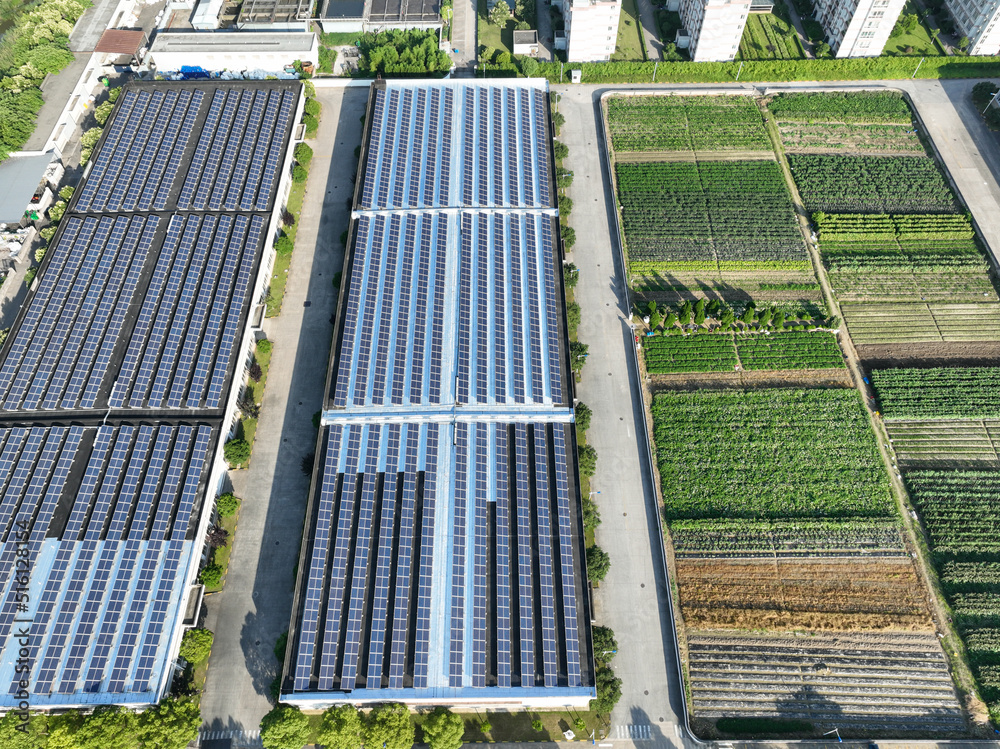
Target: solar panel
<point>389,313</point>
<point>525,544</point>
<point>404,563</point>
<point>459,510</point>
<point>464,309</point>
<point>567,574</point>
<point>481,570</point>
<point>546,580</point>
<point>517,314</point>
<point>503,563</point>
<point>422,641</point>
<point>531,282</point>
<point>404,320</point>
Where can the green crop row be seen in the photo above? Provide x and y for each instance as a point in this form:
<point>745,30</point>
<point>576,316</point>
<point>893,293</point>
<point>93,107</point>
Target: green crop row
<point>938,392</point>
<point>857,106</point>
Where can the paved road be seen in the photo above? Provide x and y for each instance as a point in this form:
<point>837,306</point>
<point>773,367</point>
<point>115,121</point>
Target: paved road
<point>463,37</point>
<point>632,600</point>
<point>255,606</point>
<point>650,30</point>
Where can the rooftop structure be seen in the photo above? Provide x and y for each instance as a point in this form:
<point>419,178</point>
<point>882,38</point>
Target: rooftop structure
<point>20,177</point>
<point>591,29</point>
<point>378,15</point>
<point>227,50</point>
<point>715,27</point>
<point>122,42</point>
<point>443,557</point>
<point>117,385</point>
<point>264,13</point>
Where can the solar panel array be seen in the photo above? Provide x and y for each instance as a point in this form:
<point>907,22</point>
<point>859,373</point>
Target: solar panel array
<point>444,546</point>
<point>133,335</point>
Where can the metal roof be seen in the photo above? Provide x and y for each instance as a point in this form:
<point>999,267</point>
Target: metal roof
<point>132,336</point>
<point>273,11</point>
<point>443,561</point>
<point>20,176</point>
<point>121,42</point>
<point>221,42</point>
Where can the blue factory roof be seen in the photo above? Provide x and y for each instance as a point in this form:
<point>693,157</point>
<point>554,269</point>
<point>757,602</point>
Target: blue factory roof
<point>443,560</point>
<point>132,336</point>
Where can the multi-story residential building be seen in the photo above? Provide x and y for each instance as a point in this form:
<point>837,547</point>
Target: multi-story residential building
<point>858,28</point>
<point>715,27</point>
<point>980,21</point>
<point>591,29</point>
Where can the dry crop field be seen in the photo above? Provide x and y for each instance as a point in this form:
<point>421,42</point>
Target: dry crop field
<point>800,604</point>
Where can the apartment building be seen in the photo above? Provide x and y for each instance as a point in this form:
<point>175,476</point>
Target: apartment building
<point>591,29</point>
<point>715,27</point>
<point>978,20</point>
<point>858,28</point>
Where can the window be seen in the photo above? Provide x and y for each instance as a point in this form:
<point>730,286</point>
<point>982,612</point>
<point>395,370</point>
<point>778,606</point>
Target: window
<point>867,34</point>
<point>878,14</point>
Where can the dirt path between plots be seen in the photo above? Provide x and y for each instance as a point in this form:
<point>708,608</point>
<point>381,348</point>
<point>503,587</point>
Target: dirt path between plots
<point>639,157</point>
<point>805,378</point>
<point>930,354</point>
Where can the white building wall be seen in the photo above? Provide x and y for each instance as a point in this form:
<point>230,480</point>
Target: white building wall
<point>591,30</point>
<point>980,21</point>
<point>715,26</point>
<point>858,28</point>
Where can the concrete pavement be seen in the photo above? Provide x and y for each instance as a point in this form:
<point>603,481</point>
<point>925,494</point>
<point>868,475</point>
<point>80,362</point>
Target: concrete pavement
<point>650,30</point>
<point>463,37</point>
<point>254,608</point>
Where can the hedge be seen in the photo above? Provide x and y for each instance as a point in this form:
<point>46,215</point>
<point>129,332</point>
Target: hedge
<point>851,69</point>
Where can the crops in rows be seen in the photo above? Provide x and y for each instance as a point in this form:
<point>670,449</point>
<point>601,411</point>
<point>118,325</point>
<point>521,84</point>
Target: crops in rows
<point>817,593</point>
<point>722,352</point>
<point>768,453</point>
<point>922,322</point>
<point>708,352</point>
<point>861,106</point>
<point>805,537</point>
<point>768,37</point>
<point>934,442</point>
<point>939,392</point>
<point>876,184</point>
<point>711,214</point>
<point>674,123</point>
<point>879,226</point>
<point>841,137</point>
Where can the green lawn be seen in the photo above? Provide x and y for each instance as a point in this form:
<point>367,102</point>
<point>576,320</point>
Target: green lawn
<point>629,44</point>
<point>220,556</point>
<point>279,275</point>
<point>920,40</point>
<point>491,35</point>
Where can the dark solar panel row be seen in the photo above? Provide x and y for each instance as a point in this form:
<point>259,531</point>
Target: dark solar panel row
<point>481,569</point>
<point>148,477</point>
<point>546,581</point>
<point>459,538</point>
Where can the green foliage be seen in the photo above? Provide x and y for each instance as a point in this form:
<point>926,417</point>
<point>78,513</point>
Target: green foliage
<point>342,728</point>
<point>500,14</point>
<point>263,347</point>
<point>485,726</point>
<point>770,37</point>
<point>48,232</point>
<point>227,504</point>
<point>568,236</point>
<point>327,57</point>
<point>400,52</point>
<point>285,727</point>
<point>309,88</point>
<point>211,575</point>
<point>29,277</point>
<point>303,154</point>
<point>236,451</point>
<point>564,178</point>
<point>443,730</point>
<point>565,208</point>
<point>113,94</point>
<point>938,392</point>
<point>311,107</point>
<point>56,211</point>
<point>280,646</point>
<point>605,644</point>
<point>578,353</point>
<point>40,253</point>
<point>284,245</point>
<point>982,96</point>
<point>769,453</point>
<point>537,725</point>
<point>560,150</point>
<point>583,415</point>
<point>598,563</point>
<point>609,690</point>
<point>196,645</point>
<point>571,274</point>
<point>102,112</point>
<point>66,192</point>
<point>172,724</point>
<point>572,318</point>
<point>558,120</point>
<point>755,726</point>
<point>312,125</point>
<point>853,106</point>
<point>390,727</point>
<point>299,173</point>
<point>587,458</point>
<point>107,728</point>
<point>12,736</point>
<point>88,141</point>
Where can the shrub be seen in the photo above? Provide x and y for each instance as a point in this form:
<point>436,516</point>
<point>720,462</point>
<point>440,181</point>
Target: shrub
<point>303,154</point>
<point>56,211</point>
<point>568,236</point>
<point>113,95</point>
<point>29,276</point>
<point>40,253</point>
<point>283,245</point>
<point>312,125</point>
<point>486,726</point>
<point>579,724</point>
<point>572,318</point>
<point>196,645</point>
<point>558,120</point>
<point>48,232</point>
<point>217,537</point>
<point>578,353</point>
<point>583,414</point>
<point>565,208</point>
<point>609,690</point>
<point>299,173</point>
<point>571,274</point>
<point>102,112</point>
<point>564,178</point>
<point>227,504</point>
<point>236,451</point>
<point>537,725</point>
<point>211,576</point>
<point>255,372</point>
<point>87,143</point>
<point>263,347</point>
<point>66,192</point>
<point>605,644</point>
<point>310,107</point>
<point>587,458</point>
<point>310,89</point>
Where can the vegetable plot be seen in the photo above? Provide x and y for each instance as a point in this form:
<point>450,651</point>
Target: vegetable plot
<point>876,184</point>
<point>793,349</point>
<point>945,392</point>
<point>861,106</point>
<point>768,454</point>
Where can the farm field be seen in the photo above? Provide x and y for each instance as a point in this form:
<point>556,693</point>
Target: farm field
<point>761,286</point>
<point>808,593</point>
<point>874,323</point>
<point>938,392</point>
<point>862,122</point>
<point>772,453</point>
<point>723,352</point>
<point>942,442</point>
<point>709,216</point>
<point>876,184</point>
<point>769,37</point>
<point>693,123</point>
<point>886,683</point>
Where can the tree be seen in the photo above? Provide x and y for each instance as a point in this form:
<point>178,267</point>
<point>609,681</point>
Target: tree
<point>255,372</point>
<point>598,563</point>
<point>13,737</point>
<point>500,14</point>
<point>390,727</point>
<point>342,728</point>
<point>62,730</point>
<point>299,173</point>
<point>578,353</point>
<point>568,236</point>
<point>211,576</point>
<point>572,318</point>
<point>685,313</point>
<point>444,730</point>
<point>529,66</point>
<point>236,451</point>
<point>263,347</point>
<point>107,728</point>
<point>56,211</point>
<point>583,414</point>
<point>571,275</point>
<point>699,312</point>
<point>65,193</point>
<point>560,150</point>
<point>963,43</point>
<point>670,320</point>
<point>310,107</point>
<point>196,645</point>
<point>285,727</point>
<point>558,120</point>
<point>485,726</point>
<point>284,245</point>
<point>565,208</point>
<point>173,724</point>
<point>227,504</point>
<point>609,690</point>
<point>217,537</point>
<point>587,457</point>
<point>87,143</point>
<point>728,318</point>
<point>605,644</point>
<point>303,154</point>
<point>48,58</point>
<point>312,125</point>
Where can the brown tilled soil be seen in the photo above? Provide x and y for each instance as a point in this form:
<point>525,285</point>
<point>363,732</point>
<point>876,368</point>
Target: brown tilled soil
<point>805,378</point>
<point>930,354</point>
<point>821,594</point>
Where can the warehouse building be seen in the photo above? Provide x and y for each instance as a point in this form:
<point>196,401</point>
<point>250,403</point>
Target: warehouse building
<point>443,557</point>
<point>118,385</point>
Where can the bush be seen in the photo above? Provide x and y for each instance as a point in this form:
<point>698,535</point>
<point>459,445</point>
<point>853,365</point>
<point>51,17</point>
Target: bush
<point>583,414</point>
<point>196,645</point>
<point>29,277</point>
<point>565,208</point>
<point>299,173</point>
<point>568,236</point>
<point>486,726</point>
<point>560,150</point>
<point>66,192</point>
<point>280,645</point>
<point>48,232</point>
<point>587,458</point>
<point>263,347</point>
<point>303,154</point>
<point>571,274</point>
<point>40,253</point>
<point>609,690</point>
<point>312,125</point>
<point>211,576</point>
<point>598,563</point>
<point>572,318</point>
<point>255,372</point>
<point>102,112</point>
<point>56,211</point>
<point>283,245</point>
<point>605,644</point>
<point>536,725</point>
<point>236,452</point>
<point>285,727</point>
<point>310,89</point>
<point>578,353</point>
<point>558,120</point>
<point>87,143</point>
<point>227,504</point>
